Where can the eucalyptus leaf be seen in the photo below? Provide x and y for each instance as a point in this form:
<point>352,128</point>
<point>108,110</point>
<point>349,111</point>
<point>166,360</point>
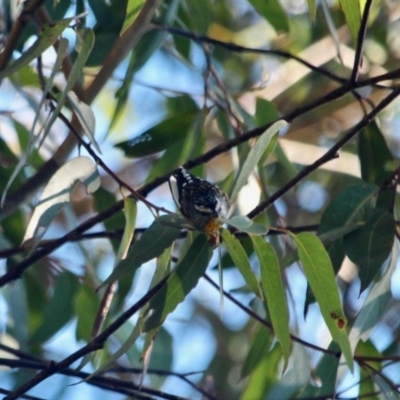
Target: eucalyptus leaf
<point>254,157</point>
<point>152,243</point>
<point>181,282</point>
<point>245,224</point>
<point>274,293</point>
<point>321,278</point>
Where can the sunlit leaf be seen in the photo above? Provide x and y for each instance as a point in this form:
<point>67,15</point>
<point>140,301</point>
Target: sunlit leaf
<point>245,224</point>
<point>352,13</point>
<point>132,11</point>
<point>152,243</point>
<point>369,246</point>
<point>183,279</point>
<point>274,293</point>
<point>47,37</point>
<point>130,211</point>
<point>321,278</point>
<point>86,117</point>
<point>254,157</point>
<point>57,191</point>
<point>240,260</point>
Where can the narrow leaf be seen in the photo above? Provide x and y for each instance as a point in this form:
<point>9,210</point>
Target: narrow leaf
<point>375,304</point>
<point>48,36</point>
<point>57,191</point>
<point>159,137</point>
<point>60,308</point>
<point>181,282</point>
<point>86,117</point>
<point>244,224</point>
<point>352,13</point>
<point>132,11</point>
<point>130,210</point>
<point>274,293</point>
<point>375,157</point>
<point>369,246</point>
<point>254,157</point>
<point>241,260</point>
<point>321,278</point>
<point>151,244</point>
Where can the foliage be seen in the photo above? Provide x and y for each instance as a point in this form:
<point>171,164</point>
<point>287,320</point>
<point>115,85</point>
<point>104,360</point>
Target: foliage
<point>291,107</point>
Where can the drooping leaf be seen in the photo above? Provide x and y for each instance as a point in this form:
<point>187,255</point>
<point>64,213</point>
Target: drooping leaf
<point>375,305</point>
<point>295,378</point>
<point>321,278</point>
<point>86,306</point>
<point>245,224</point>
<point>60,309</point>
<point>57,191</point>
<point>369,246</point>
<point>151,244</point>
<point>240,260</point>
<point>130,211</point>
<point>353,205</point>
<point>160,137</point>
<point>47,37</point>
<point>375,157</point>
<point>183,279</point>
<point>264,369</point>
<point>254,157</point>
<point>260,347</point>
<point>86,117</point>
<point>352,13</point>
<point>143,50</point>
<point>274,293</point>
<point>132,11</point>
<point>325,373</point>
<point>273,12</point>
<point>312,9</point>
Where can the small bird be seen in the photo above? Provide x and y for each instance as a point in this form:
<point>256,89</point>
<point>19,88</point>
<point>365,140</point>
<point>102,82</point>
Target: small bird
<point>199,201</point>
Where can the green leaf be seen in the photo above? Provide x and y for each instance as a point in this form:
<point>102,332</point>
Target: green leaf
<point>375,304</point>
<point>326,375</point>
<point>152,243</point>
<point>274,293</point>
<point>183,279</point>
<point>375,157</point>
<point>369,246</point>
<point>312,9</point>
<point>60,309</point>
<point>260,347</point>
<point>240,260</point>
<point>245,224</point>
<point>47,37</point>
<point>321,278</point>
<point>351,206</point>
<point>254,157</point>
<point>160,137</point>
<point>56,194</point>
<point>130,211</point>
<point>86,307</point>
<point>273,12</point>
<point>132,11</point>
<point>352,13</point>
<point>264,368</point>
